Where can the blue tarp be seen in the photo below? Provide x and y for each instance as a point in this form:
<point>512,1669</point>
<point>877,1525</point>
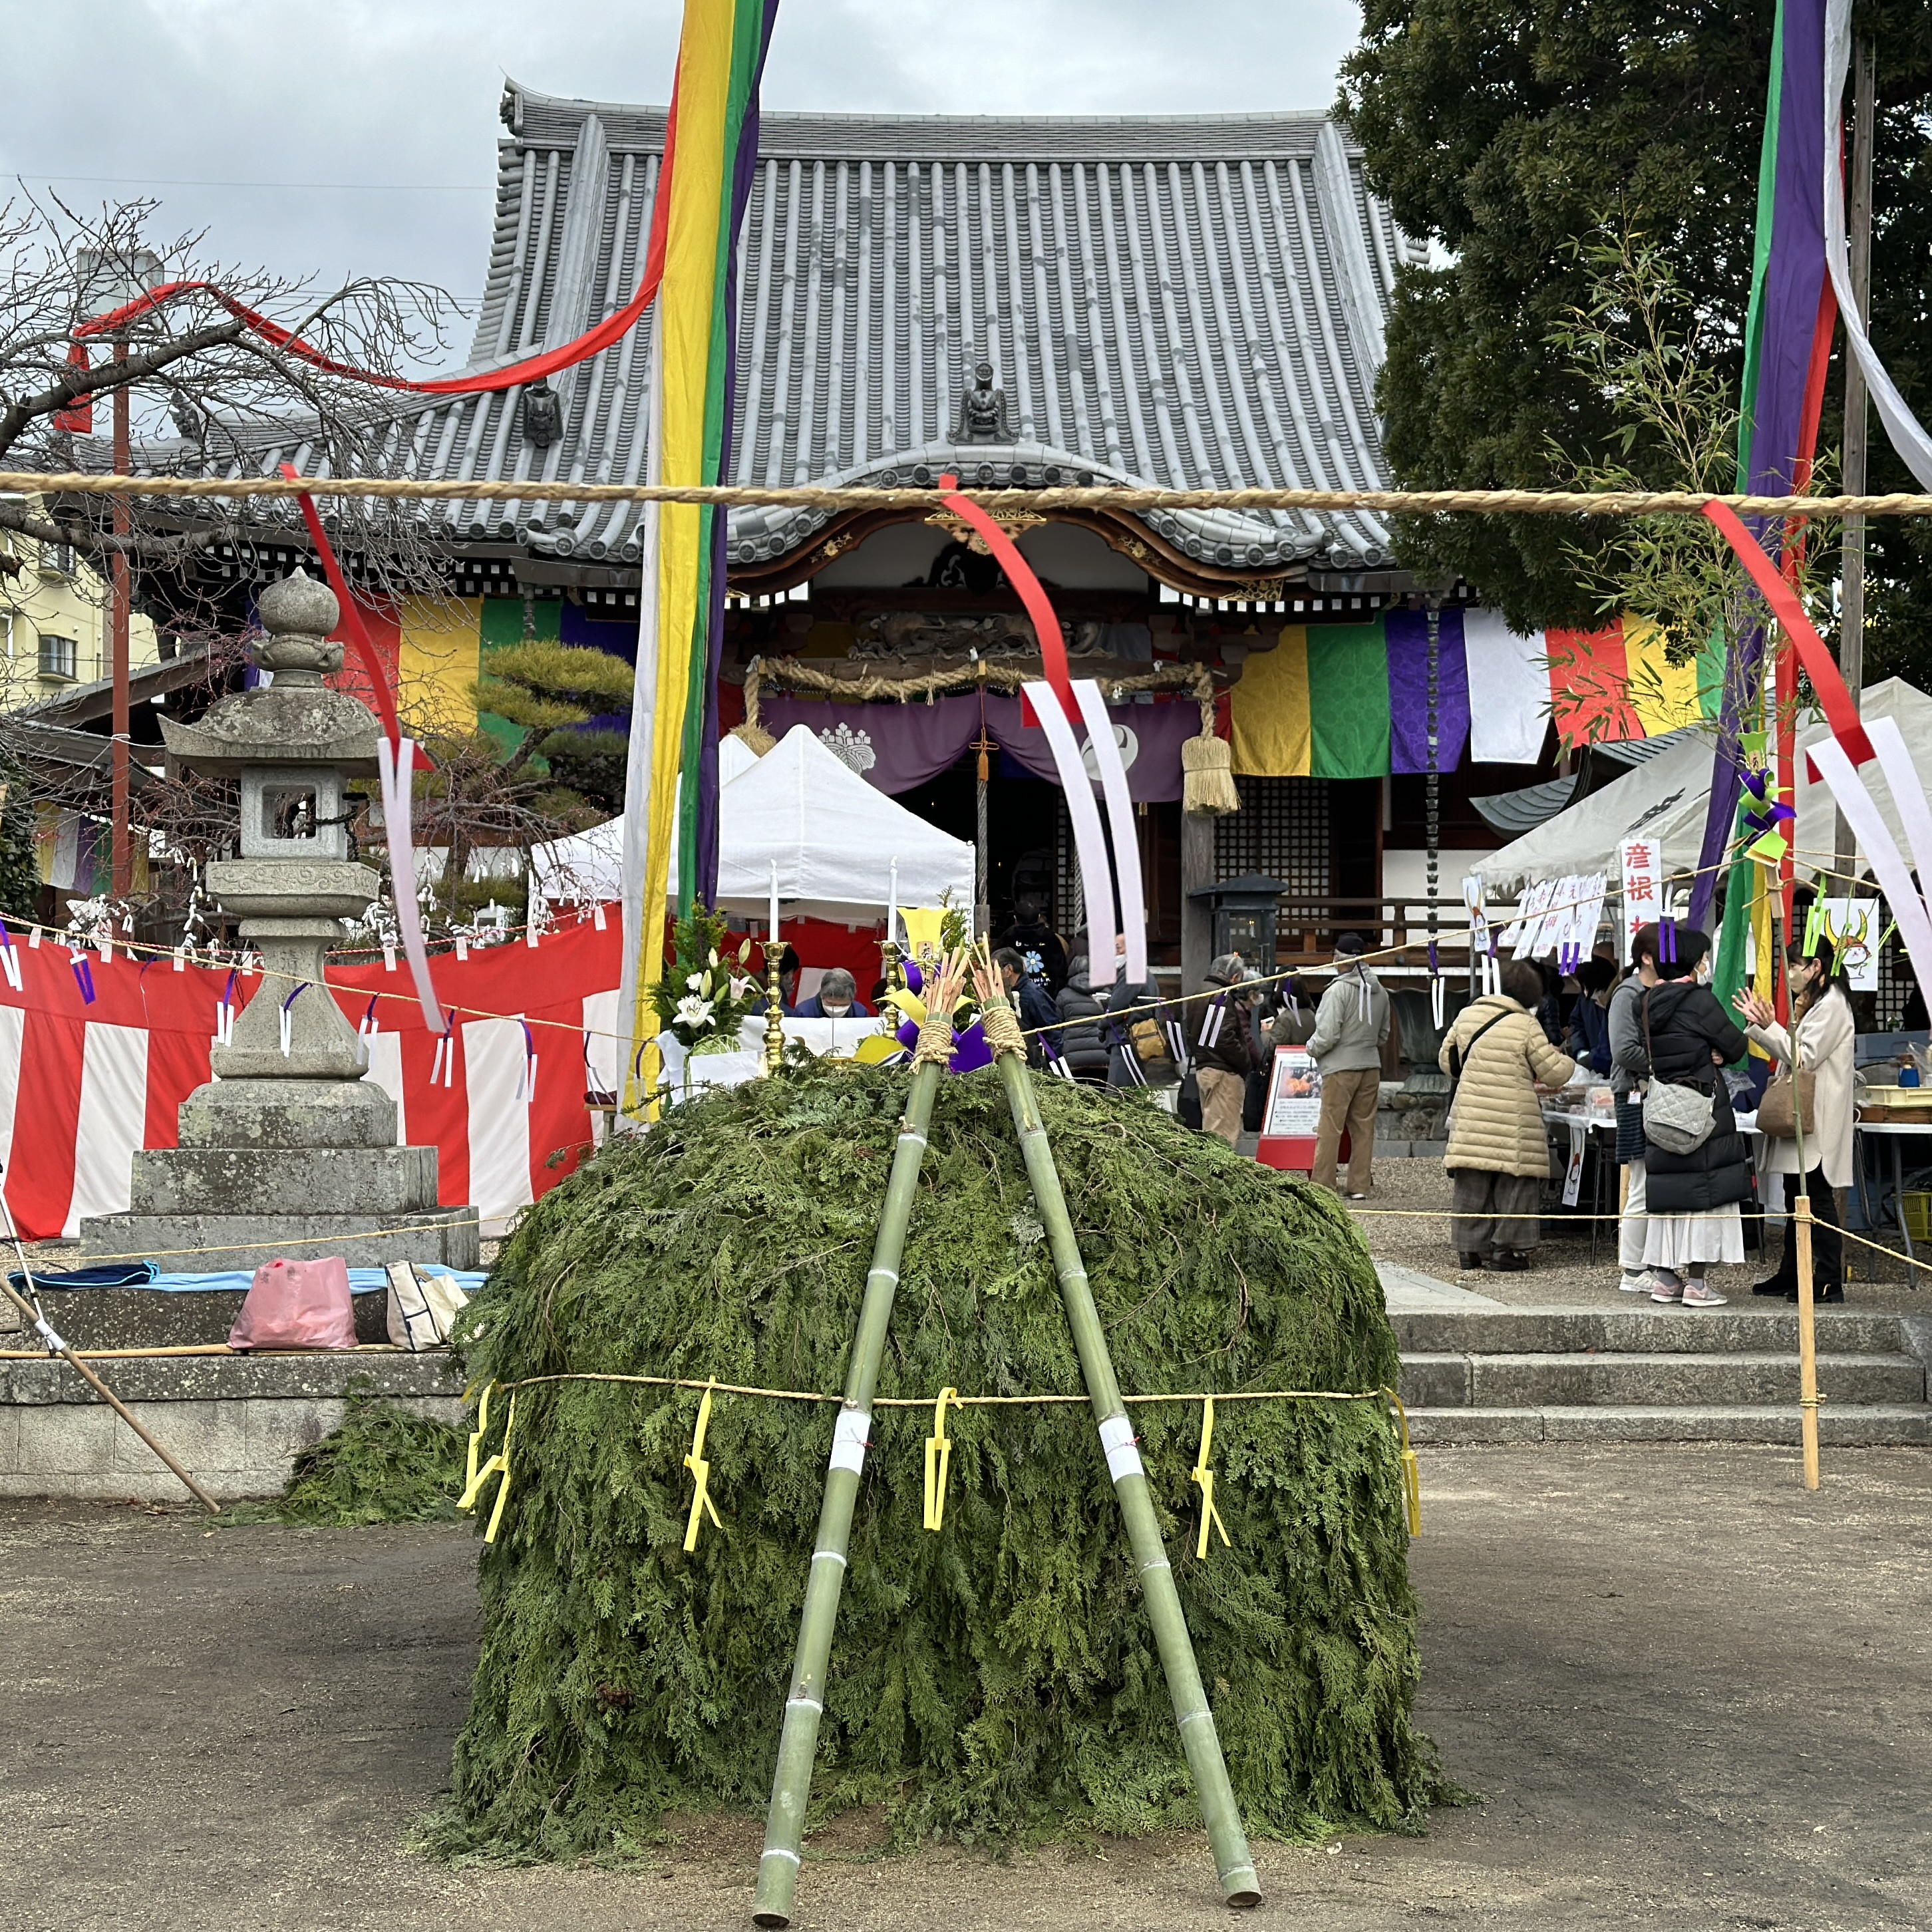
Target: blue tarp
<point>145,1274</point>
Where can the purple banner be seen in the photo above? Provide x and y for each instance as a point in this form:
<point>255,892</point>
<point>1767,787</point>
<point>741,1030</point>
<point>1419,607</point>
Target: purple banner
<point>1408,635</point>
<point>895,747</point>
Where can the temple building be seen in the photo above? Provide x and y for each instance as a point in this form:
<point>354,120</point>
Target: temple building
<point>1164,302</point>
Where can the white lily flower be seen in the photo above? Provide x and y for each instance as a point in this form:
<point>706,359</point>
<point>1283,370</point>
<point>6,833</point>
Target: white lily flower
<point>695,1013</point>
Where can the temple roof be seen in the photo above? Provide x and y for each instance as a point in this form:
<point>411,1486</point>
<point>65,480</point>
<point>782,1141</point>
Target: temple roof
<point>1178,301</point>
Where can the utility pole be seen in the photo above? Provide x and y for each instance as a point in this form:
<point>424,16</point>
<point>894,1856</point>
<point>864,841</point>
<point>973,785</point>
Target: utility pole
<point>118,601</point>
<point>1852,578</point>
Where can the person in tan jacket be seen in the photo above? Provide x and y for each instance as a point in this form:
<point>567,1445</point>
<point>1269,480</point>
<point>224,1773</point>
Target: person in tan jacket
<point>1821,1039</point>
<point>1499,1155</point>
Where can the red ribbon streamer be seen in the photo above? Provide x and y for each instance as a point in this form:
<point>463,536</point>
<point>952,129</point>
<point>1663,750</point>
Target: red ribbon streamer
<point>1038,605</point>
<point>534,369</point>
<point>352,615</point>
<point>1840,712</point>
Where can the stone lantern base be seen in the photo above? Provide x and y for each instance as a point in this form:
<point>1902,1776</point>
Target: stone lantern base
<point>293,1169</point>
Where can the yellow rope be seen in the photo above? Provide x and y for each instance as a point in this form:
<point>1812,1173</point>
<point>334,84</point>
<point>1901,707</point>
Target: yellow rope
<point>955,1400</point>
<point>1401,502</point>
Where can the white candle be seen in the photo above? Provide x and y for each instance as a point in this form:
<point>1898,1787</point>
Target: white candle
<point>892,907</point>
<point>772,929</point>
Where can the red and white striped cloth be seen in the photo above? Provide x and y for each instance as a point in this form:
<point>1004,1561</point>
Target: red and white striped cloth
<point>84,1083</point>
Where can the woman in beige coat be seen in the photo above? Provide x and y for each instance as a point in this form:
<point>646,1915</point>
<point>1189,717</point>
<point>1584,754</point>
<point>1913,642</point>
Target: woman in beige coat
<point>1498,1156</point>
<point>1824,1031</point>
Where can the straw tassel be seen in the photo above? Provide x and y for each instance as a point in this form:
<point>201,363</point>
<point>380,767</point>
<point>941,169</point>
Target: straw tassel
<point>1207,779</point>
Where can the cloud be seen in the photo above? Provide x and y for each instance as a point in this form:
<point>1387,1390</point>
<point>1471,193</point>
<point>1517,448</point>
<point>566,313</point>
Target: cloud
<point>404,95</point>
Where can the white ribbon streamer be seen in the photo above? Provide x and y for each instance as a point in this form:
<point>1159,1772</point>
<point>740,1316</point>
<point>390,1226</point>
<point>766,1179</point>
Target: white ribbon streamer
<point>1096,877</point>
<point>395,764</point>
<point>1908,908</point>
<point>1106,748</point>
<point>1908,435</point>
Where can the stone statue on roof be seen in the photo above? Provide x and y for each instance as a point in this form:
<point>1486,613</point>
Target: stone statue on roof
<point>982,410</point>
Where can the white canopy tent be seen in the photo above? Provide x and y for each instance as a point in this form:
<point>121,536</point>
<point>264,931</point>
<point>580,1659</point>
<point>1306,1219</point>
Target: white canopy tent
<point>834,838</point>
<point>1666,799</point>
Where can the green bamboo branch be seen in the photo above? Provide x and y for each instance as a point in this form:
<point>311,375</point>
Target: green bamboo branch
<point>798,1740</point>
<point>1198,1739</point>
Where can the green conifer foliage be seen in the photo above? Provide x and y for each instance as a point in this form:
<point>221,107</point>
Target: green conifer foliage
<point>998,1680</point>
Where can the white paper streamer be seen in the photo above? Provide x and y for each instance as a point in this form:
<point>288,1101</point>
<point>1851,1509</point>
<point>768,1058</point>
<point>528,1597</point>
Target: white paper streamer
<point>394,764</point>
<point>1106,749</point>
<point>1096,877</point>
<point>1915,925</point>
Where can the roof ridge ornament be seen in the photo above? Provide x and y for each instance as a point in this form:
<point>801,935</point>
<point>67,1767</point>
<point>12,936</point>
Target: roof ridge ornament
<point>982,410</point>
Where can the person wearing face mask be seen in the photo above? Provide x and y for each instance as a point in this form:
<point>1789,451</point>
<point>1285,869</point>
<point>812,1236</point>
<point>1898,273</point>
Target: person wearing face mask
<point>837,998</point>
<point>1819,1041</point>
<point>1693,1199</point>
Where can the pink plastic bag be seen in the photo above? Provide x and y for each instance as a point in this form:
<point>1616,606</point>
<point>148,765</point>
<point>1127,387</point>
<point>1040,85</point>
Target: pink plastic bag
<point>297,1305</point>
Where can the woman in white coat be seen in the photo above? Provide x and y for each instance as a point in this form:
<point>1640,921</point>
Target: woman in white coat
<point>1823,1030</point>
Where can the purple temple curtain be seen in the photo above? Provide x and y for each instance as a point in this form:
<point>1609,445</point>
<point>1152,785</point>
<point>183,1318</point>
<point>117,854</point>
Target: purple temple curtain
<point>895,747</point>
<point>1408,633</point>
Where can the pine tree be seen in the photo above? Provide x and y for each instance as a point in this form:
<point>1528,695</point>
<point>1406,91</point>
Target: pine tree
<point>551,690</point>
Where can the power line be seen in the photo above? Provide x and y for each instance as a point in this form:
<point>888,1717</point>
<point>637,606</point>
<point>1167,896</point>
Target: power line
<point>332,187</point>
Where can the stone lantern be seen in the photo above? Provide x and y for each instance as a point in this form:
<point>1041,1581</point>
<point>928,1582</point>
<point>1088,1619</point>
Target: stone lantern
<point>288,1150</point>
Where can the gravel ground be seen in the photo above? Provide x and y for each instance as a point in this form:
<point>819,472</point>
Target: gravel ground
<point>1561,1273</point>
<point>1700,1702</point>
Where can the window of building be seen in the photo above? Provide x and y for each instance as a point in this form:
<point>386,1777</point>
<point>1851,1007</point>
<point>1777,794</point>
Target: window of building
<point>59,657</point>
<point>57,559</point>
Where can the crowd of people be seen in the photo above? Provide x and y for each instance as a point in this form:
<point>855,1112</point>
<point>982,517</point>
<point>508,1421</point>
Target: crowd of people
<point>1654,1032</point>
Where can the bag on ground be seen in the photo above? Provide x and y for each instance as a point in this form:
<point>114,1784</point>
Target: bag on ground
<point>423,1305</point>
<point>297,1305</point>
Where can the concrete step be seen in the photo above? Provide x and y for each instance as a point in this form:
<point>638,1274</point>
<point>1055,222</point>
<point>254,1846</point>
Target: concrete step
<point>1853,1426</point>
<point>1699,1379</point>
<point>1648,1327</point>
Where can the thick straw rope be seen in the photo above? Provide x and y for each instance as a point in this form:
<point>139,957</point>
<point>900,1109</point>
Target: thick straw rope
<point>1411,502</point>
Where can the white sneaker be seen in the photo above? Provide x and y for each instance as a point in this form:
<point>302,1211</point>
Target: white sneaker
<point>1696,1294</point>
<point>1641,1283</point>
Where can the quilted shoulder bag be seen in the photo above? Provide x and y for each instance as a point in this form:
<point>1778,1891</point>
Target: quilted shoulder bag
<point>1677,1119</point>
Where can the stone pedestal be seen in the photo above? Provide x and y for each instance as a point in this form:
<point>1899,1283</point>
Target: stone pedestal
<point>288,1151</point>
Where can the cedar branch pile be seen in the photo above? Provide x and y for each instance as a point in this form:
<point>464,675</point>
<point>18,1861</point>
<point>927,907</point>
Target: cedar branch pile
<point>998,1681</point>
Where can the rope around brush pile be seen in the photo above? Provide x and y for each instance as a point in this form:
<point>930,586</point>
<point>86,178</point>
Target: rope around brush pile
<point>1002,1029</point>
<point>1410,503</point>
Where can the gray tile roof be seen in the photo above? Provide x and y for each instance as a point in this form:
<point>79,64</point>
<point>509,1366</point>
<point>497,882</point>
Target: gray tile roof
<point>1183,301</point>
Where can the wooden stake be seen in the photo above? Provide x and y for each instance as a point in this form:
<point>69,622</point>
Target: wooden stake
<point>1807,1342</point>
<point>57,1347</point>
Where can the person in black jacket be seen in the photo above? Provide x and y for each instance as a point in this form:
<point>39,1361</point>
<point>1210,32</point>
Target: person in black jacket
<point>1030,934</point>
<point>1084,1049</point>
<point>1687,1039</point>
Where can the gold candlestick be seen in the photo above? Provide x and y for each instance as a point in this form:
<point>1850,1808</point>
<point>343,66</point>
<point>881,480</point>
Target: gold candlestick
<point>774,1005</point>
<point>888,958</point>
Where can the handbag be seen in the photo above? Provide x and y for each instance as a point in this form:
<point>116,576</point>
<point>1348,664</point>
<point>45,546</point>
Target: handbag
<point>1789,1106</point>
<point>1676,1118</point>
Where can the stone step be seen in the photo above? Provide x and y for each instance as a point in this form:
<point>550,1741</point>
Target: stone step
<point>1852,1426</point>
<point>236,1423</point>
<point>1702,1380</point>
<point>273,1180</point>
<point>151,1317</point>
<point>1650,1328</point>
<point>364,1238</point>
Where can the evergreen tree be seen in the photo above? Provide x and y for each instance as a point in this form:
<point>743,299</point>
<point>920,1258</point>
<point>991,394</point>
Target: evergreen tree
<point>1508,136</point>
<point>553,690</point>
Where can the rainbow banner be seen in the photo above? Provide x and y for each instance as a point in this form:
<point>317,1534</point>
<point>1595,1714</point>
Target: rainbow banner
<point>710,147</point>
<point>1352,700</point>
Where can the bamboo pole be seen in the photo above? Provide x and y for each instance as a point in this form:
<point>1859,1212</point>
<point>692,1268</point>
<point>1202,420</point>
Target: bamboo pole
<point>1198,1739</point>
<point>1808,1343</point>
<point>798,1739</point>
<point>56,1346</point>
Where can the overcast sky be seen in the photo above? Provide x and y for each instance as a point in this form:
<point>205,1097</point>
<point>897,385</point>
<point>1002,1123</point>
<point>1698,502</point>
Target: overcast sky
<point>401,97</point>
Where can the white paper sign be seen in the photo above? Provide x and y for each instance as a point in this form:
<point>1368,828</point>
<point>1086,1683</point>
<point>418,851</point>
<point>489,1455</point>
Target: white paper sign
<point>1641,863</point>
<point>1294,1095</point>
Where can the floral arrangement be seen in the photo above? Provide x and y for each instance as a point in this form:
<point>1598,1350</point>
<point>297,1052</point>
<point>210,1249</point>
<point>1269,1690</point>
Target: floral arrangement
<point>704,997</point>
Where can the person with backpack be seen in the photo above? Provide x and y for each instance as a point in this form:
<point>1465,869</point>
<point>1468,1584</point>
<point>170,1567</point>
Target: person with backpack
<point>1497,1159</point>
<point>1697,1169</point>
<point>1224,1053</point>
